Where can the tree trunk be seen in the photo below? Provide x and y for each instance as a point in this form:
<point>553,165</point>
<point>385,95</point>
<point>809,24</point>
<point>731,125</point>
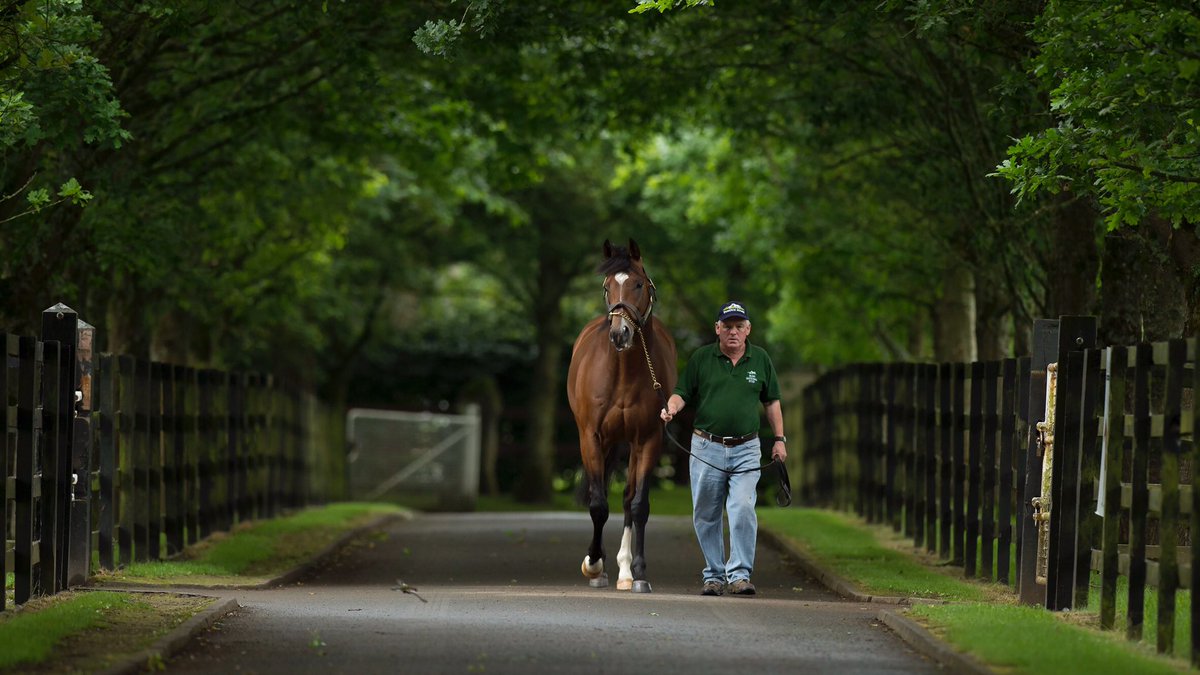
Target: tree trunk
<point>954,318</point>
<point>536,479</point>
<point>172,338</point>
<point>1142,298</point>
<point>124,331</point>
<point>993,338</point>
<point>1071,274</point>
<point>1182,247</point>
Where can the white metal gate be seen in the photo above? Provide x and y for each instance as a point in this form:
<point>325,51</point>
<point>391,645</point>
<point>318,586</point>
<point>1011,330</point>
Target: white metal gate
<point>423,460</point>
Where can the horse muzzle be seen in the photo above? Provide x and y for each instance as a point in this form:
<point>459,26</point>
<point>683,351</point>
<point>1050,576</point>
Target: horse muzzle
<point>621,337</point>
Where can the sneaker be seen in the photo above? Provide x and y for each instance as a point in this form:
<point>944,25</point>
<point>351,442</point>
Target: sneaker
<point>712,588</point>
<point>742,587</point>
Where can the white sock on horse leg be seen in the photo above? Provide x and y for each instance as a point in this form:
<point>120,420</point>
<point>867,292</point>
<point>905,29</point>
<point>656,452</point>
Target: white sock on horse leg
<point>625,556</point>
<point>592,570</point>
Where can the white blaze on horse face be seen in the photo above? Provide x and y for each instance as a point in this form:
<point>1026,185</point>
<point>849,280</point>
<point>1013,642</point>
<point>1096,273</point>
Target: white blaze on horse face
<point>625,558</point>
<point>625,328</point>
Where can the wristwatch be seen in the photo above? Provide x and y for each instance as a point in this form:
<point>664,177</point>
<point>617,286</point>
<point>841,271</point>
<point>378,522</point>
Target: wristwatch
<point>781,439</point>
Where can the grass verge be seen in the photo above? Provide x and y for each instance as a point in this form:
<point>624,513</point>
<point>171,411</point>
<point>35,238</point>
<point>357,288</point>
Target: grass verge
<point>1183,613</point>
<point>984,620</point>
<point>1032,640</point>
<point>88,631</point>
<point>840,542</point>
<point>255,552</point>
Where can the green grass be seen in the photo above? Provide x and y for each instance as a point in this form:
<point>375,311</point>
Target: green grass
<point>985,619</point>
<point>1183,613</point>
<point>843,543</point>
<point>261,549</point>
<point>29,637</point>
<point>1032,640</point>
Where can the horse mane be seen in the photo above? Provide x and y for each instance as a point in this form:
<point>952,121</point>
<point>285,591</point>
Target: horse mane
<point>620,261</point>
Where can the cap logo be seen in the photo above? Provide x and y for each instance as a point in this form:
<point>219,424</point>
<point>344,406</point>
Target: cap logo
<point>733,307</point>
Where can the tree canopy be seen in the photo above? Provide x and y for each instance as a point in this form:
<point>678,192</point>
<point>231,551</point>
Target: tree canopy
<point>350,193</point>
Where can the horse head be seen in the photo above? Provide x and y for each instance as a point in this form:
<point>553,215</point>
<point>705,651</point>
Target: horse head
<point>628,292</point>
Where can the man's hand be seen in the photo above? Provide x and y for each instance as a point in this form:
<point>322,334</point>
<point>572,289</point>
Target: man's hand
<point>779,451</point>
<point>672,408</point>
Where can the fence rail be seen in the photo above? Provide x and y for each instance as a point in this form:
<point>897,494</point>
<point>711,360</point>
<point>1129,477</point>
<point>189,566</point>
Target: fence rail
<point>952,455</point>
<point>128,460</point>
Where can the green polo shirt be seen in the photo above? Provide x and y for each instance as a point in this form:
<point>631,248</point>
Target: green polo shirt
<point>728,399</point>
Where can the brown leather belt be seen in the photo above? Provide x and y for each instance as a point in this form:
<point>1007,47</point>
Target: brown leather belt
<point>725,440</point>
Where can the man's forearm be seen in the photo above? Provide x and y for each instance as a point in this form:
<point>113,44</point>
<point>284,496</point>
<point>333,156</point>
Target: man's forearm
<point>775,417</point>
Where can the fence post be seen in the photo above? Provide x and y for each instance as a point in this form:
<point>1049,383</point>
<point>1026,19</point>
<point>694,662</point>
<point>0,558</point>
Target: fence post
<point>945,456</point>
<point>1020,459</point>
<point>10,354</point>
<point>1090,526</point>
<point>25,554</point>
<point>959,465</point>
<point>974,471</point>
<point>1076,333</point>
<point>929,424</point>
<point>60,324</point>
<point>1008,423</point>
<point>106,397</point>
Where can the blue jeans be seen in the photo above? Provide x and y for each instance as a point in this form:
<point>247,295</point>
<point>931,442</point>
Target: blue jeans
<point>714,491</point>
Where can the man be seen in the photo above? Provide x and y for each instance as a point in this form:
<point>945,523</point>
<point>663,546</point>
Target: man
<point>727,382</point>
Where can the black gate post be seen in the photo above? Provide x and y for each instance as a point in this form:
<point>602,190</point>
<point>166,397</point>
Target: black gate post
<point>61,324</point>
<point>1075,334</point>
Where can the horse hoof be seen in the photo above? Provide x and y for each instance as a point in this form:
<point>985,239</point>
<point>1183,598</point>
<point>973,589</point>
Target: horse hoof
<point>599,582</point>
<point>592,571</point>
<point>641,586</point>
<point>624,584</point>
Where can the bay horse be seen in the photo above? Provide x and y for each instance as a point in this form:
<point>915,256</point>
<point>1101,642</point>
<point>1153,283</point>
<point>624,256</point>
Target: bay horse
<point>622,370</point>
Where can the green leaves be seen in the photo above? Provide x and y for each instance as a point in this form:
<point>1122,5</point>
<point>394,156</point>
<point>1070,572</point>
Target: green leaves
<point>74,192</point>
<point>1121,81</point>
<point>666,5</point>
<point>438,38</point>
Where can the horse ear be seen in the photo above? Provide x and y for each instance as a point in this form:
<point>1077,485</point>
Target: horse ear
<point>634,252</point>
<point>608,249</point>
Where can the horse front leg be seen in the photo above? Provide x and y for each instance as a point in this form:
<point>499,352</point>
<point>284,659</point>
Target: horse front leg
<point>625,555</point>
<point>632,557</point>
<point>597,492</point>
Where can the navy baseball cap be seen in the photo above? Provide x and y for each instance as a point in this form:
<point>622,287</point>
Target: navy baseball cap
<point>732,310</point>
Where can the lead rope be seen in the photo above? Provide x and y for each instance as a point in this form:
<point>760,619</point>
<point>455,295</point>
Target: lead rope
<point>782,498</point>
<point>645,349</point>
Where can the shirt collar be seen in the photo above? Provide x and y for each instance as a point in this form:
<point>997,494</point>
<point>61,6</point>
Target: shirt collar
<point>721,355</point>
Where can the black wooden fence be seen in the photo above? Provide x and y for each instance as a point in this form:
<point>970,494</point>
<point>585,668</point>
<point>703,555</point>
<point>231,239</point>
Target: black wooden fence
<point>121,459</point>
<point>951,455</point>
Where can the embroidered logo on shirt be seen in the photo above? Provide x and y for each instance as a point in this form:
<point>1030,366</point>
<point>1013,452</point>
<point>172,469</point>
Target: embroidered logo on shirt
<point>752,377</point>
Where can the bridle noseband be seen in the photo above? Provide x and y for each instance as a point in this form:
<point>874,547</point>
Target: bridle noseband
<point>629,312</point>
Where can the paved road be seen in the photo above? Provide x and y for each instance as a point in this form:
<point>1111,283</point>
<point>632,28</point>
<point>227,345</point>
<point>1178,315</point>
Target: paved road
<point>504,595</point>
